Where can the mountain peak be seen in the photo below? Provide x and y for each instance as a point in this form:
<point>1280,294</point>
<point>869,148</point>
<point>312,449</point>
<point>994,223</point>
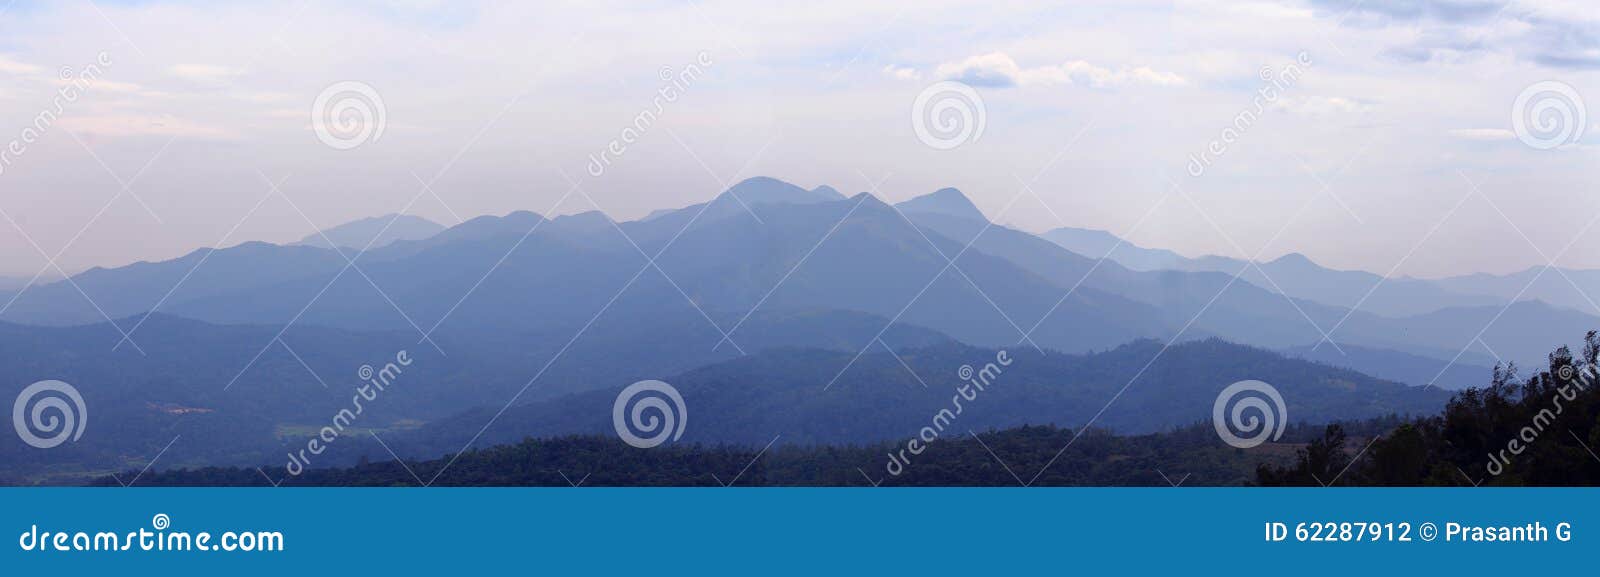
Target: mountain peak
<point>948,201</point>
<point>374,232</point>
<point>827,191</point>
<point>869,198</point>
<point>586,218</point>
<point>1295,259</point>
<point>768,190</point>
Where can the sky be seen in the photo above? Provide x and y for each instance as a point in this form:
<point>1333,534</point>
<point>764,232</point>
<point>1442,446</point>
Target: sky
<point>1413,138</point>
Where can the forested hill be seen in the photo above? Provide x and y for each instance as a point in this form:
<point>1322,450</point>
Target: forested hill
<point>885,396</point>
<point>1534,430</point>
<point>1096,458</point>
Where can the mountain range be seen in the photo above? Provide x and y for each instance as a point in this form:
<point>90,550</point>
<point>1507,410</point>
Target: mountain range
<point>1298,276</point>
<point>743,251</point>
<point>756,300</point>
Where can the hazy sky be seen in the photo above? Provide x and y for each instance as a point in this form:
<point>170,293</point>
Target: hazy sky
<point>1377,145</point>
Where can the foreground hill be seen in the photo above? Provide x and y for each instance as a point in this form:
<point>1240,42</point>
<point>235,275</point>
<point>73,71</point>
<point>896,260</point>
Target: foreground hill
<point>191,398</point>
<point>1192,456</point>
<point>1473,442</point>
<point>786,394</point>
<point>235,394</point>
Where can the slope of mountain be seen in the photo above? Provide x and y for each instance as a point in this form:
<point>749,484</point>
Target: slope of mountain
<point>1247,313</point>
<point>1293,274</point>
<point>1099,244</point>
<point>1472,370</point>
<point>1299,276</point>
<point>140,287</point>
<point>13,283</point>
<point>1209,303</point>
<point>1572,288</point>
<point>374,232</point>
<point>243,394</point>
<point>752,400</point>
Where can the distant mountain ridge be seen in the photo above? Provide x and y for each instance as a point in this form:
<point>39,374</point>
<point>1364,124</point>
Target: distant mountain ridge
<point>373,232</point>
<point>1300,277</point>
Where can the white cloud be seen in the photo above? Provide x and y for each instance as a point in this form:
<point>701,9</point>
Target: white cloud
<point>992,69</point>
<point>9,66</point>
<point>1552,33</point>
<point>1100,77</point>
<point>902,72</point>
<point>1000,70</point>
